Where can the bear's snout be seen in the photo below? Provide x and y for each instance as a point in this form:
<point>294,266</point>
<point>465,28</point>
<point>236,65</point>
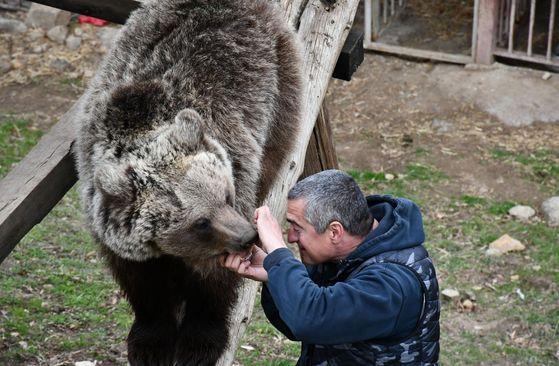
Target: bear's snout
<point>235,231</point>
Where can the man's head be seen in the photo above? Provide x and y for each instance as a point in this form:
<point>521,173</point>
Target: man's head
<point>328,215</point>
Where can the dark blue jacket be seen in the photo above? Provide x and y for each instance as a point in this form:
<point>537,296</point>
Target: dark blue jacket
<point>383,301</point>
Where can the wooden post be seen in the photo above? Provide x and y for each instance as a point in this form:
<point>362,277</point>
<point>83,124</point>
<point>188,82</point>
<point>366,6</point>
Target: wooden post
<point>34,186</point>
<point>322,33</point>
<point>321,154</point>
<point>486,31</point>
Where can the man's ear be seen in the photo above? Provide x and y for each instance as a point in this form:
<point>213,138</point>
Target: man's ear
<point>336,231</point>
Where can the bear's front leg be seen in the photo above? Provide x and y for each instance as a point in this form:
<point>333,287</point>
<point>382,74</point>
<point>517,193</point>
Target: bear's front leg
<point>201,343</point>
<point>204,330</point>
<point>152,342</point>
<point>154,289</point>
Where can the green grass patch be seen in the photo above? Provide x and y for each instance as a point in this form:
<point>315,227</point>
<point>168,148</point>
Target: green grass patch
<point>473,200</point>
<point>50,285</point>
<point>17,138</point>
<point>541,165</point>
<point>423,172</point>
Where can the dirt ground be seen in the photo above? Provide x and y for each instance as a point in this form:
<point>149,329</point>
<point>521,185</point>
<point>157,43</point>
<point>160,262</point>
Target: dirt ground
<point>393,107</point>
<point>394,113</point>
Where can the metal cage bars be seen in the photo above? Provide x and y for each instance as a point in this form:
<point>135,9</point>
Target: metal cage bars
<point>493,35</point>
<point>510,12</point>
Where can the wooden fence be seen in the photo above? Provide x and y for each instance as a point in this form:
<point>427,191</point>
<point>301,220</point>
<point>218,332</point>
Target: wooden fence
<point>43,177</point>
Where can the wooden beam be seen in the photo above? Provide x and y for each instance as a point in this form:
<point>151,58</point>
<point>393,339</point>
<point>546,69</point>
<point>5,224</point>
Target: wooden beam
<point>37,183</point>
<point>322,32</point>
<point>413,52</point>
<point>321,154</point>
<point>486,31</point>
<point>352,56</point>
<point>116,11</point>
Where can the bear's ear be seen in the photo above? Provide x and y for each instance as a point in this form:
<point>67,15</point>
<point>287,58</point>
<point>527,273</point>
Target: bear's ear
<point>135,106</point>
<point>188,125</point>
<point>115,182</point>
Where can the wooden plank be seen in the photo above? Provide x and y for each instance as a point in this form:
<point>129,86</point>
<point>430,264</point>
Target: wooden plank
<point>412,52</point>
<point>116,11</point>
<point>325,140</point>
<point>486,31</point>
<point>321,154</point>
<point>322,32</point>
<point>37,183</point>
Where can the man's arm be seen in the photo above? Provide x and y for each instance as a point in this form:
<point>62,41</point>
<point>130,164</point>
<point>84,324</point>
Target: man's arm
<point>272,314</point>
<point>381,301</point>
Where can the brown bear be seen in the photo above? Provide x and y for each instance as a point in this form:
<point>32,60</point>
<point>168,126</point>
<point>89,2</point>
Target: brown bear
<point>181,134</point>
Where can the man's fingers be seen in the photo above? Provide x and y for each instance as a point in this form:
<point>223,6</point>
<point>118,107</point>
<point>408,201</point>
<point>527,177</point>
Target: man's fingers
<point>243,267</point>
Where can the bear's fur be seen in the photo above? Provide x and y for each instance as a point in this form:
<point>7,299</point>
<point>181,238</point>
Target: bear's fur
<point>184,128</point>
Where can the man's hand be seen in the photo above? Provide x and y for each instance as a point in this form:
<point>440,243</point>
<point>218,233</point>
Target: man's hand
<point>269,230</point>
<point>248,267</point>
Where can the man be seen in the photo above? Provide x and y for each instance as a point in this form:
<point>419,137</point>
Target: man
<point>369,293</point>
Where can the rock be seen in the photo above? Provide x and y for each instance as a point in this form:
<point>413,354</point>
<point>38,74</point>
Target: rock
<point>45,17</point>
<point>468,305</point>
<point>389,176</point>
<point>5,66</point>
<point>40,48</point>
<point>493,252</point>
<point>550,209</point>
<point>442,126</point>
<point>504,245</point>
<point>36,34</point>
<point>107,36</point>
<point>16,64</point>
<point>450,293</point>
<point>58,34</point>
<point>470,295</point>
<point>546,76</point>
<point>78,32</point>
<point>61,65</point>
<point>12,26</point>
<point>73,42</point>
<point>522,212</point>
<point>85,363</point>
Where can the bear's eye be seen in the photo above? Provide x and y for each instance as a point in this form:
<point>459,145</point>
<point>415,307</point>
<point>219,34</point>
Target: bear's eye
<point>229,199</point>
<point>202,224</point>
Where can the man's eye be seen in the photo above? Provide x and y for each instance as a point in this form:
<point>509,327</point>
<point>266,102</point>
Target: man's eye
<point>202,224</point>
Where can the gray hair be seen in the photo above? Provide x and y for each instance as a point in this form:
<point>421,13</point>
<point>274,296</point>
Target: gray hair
<point>333,195</point>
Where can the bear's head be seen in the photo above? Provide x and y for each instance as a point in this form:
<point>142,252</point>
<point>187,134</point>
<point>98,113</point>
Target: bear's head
<point>169,191</point>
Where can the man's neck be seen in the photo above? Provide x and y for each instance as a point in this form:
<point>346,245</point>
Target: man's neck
<point>351,242</point>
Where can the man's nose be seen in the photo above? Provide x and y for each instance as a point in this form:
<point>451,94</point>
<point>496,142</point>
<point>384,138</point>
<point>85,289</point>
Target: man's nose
<point>292,236</point>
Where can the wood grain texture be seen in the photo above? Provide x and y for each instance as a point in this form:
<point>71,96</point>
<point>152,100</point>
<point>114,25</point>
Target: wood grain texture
<point>34,186</point>
<point>322,33</point>
<point>486,31</point>
<point>321,153</point>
